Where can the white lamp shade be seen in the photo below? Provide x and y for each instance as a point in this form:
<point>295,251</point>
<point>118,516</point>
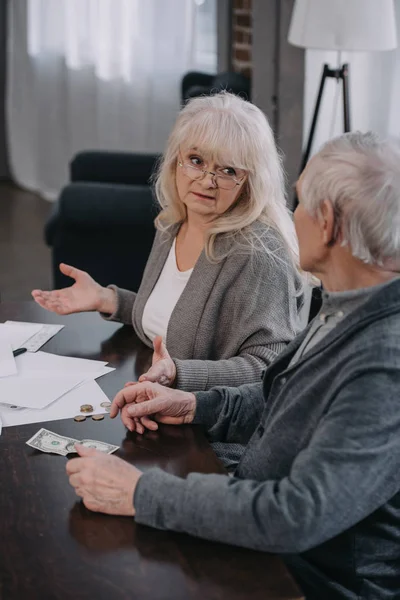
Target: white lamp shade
<point>364,25</point>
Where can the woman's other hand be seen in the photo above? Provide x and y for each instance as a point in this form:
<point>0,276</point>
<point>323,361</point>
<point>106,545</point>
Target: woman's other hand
<point>163,369</point>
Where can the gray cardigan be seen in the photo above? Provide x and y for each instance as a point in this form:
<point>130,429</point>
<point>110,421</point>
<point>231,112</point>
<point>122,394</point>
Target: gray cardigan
<point>232,319</point>
<point>319,480</point>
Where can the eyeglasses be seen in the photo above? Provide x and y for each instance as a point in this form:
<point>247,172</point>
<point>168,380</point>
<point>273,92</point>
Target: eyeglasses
<point>225,181</point>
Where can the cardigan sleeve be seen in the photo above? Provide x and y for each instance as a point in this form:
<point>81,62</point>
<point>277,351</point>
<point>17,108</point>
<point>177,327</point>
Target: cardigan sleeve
<point>125,302</point>
<point>199,375</point>
<point>261,312</point>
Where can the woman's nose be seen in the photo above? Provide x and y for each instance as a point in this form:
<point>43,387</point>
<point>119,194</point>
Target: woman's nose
<point>209,179</point>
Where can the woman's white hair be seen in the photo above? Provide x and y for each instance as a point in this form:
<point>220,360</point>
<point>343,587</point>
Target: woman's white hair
<point>235,133</point>
<point>360,175</point>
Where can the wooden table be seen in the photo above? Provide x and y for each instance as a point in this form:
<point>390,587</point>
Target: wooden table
<point>52,547</point>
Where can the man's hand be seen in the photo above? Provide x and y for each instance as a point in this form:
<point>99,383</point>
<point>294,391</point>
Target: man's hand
<point>163,369</point>
<point>105,483</point>
<point>144,404</point>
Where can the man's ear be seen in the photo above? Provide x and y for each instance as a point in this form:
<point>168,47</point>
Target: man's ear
<point>327,222</point>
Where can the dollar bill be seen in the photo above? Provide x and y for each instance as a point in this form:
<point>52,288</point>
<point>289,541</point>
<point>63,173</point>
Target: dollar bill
<point>53,443</point>
<point>101,446</point>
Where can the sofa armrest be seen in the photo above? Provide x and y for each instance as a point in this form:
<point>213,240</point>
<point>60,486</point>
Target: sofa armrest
<point>102,207</point>
<point>51,224</point>
<point>194,79</point>
<point>113,167</point>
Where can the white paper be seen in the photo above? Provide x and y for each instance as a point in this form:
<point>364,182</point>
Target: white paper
<point>43,377</point>
<point>54,364</point>
<point>18,333</point>
<point>7,361</point>
<point>64,408</point>
<point>36,389</point>
<point>44,361</point>
<point>42,335</point>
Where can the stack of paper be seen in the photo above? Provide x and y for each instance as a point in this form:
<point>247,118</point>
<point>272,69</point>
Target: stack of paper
<point>18,333</point>
<point>13,336</point>
<point>7,362</point>
<point>44,377</point>
<point>66,407</point>
<point>31,336</point>
<point>37,387</point>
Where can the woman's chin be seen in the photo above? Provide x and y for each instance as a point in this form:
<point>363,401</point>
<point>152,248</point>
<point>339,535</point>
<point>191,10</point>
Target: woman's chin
<point>199,208</point>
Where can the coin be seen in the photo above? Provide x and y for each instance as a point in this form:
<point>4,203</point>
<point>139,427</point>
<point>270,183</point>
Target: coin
<point>105,404</point>
<point>107,408</point>
<point>80,418</point>
<point>97,417</point>
<point>86,408</point>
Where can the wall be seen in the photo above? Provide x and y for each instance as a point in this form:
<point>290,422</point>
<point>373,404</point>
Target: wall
<point>4,172</point>
<point>374,92</point>
<point>242,37</point>
<point>278,79</point>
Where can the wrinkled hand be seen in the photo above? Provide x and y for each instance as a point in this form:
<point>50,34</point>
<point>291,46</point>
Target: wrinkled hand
<point>163,369</point>
<point>105,483</point>
<point>84,295</point>
<point>144,405</point>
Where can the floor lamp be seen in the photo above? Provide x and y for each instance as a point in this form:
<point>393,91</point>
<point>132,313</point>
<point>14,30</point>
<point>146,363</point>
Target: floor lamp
<point>341,25</point>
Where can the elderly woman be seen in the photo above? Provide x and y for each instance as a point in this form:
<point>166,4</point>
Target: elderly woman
<point>319,480</point>
<point>221,286</point>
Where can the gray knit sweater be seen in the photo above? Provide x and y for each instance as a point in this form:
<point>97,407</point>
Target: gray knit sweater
<point>232,319</point>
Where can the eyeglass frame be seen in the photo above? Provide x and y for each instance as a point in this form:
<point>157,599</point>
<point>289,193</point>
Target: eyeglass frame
<point>214,175</point>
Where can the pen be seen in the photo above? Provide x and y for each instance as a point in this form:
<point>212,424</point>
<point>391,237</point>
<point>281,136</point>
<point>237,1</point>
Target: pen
<point>19,351</point>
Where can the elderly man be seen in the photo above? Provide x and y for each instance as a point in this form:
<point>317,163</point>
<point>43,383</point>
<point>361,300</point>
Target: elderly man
<point>319,481</point>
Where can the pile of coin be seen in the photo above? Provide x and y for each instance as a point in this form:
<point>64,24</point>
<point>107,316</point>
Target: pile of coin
<point>79,418</point>
<point>88,408</point>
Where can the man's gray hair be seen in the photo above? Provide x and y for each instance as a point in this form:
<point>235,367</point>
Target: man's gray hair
<point>360,175</point>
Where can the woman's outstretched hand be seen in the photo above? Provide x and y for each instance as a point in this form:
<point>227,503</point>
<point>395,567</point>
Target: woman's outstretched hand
<point>84,295</point>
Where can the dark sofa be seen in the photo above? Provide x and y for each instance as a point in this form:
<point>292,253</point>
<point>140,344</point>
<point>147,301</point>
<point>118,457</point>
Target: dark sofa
<point>103,220</point>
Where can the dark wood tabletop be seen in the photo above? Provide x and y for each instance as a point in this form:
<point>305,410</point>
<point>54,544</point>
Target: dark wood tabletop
<point>53,548</point>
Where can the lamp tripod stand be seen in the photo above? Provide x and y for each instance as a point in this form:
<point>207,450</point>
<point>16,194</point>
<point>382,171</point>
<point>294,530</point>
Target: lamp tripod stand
<point>340,74</point>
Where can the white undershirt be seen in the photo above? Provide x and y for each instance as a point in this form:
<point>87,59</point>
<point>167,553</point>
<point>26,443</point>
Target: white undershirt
<point>162,300</point>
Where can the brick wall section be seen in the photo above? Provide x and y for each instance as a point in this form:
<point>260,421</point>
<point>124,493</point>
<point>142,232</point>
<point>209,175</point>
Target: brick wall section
<point>242,37</point>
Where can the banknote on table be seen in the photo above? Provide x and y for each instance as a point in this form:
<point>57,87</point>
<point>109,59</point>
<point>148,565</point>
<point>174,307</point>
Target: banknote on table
<point>53,443</point>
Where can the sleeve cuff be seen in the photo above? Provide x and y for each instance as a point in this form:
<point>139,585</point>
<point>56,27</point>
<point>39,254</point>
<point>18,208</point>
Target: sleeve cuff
<point>191,375</point>
<point>207,408</point>
<point>123,312</point>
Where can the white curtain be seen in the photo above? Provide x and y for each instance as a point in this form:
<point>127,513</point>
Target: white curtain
<point>374,92</point>
<point>91,74</point>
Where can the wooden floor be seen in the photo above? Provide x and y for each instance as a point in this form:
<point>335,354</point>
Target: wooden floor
<point>24,257</point>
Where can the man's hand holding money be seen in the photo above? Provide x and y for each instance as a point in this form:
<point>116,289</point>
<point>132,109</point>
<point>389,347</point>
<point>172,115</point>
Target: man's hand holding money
<point>105,483</point>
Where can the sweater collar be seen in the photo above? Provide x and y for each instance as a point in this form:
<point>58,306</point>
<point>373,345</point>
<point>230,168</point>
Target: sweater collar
<point>341,304</point>
<point>381,303</point>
